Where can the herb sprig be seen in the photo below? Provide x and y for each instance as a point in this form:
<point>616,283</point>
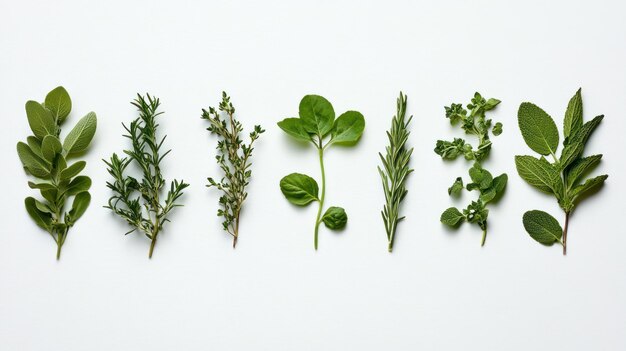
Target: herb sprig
<point>316,122</point>
<point>395,170</point>
<point>564,176</point>
<point>490,188</point>
<point>139,201</point>
<point>45,157</point>
<point>234,159</point>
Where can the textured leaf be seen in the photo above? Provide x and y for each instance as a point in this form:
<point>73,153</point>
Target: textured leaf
<point>34,164</point>
<point>348,128</point>
<point>50,147</point>
<point>35,145</point>
<point>497,129</point>
<point>295,128</point>
<point>335,218</point>
<point>79,206</point>
<point>581,167</point>
<point>588,185</point>
<point>40,120</point>
<point>80,136</point>
<point>42,219</point>
<point>456,188</point>
<point>497,187</point>
<point>72,170</point>
<point>317,114</point>
<point>542,227</point>
<point>44,186</point>
<point>78,185</point>
<point>576,145</point>
<point>538,173</point>
<point>573,120</point>
<point>452,217</point>
<point>299,189</point>
<point>480,176</point>
<point>59,103</point>
<point>538,129</point>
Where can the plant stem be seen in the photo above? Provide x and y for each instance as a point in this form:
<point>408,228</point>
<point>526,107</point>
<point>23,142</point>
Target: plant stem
<point>319,211</point>
<point>565,233</point>
<point>482,242</point>
<point>152,243</point>
<point>236,234</point>
<point>59,245</point>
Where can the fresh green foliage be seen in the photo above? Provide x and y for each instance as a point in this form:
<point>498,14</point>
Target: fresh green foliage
<point>45,157</point>
<point>564,176</point>
<point>139,202</point>
<point>395,169</point>
<point>315,123</point>
<point>473,122</point>
<point>234,159</point>
<point>542,227</point>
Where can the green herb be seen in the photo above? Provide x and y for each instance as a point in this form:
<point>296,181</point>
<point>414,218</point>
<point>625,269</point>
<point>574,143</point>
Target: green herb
<point>562,177</point>
<point>473,122</point>
<point>316,122</point>
<point>395,170</point>
<point>45,157</point>
<point>234,160</point>
<point>139,201</point>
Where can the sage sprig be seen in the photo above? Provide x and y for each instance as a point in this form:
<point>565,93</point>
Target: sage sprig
<point>395,170</point>
<point>564,176</point>
<point>234,159</point>
<point>315,123</point>
<point>45,157</point>
<point>139,202</point>
<point>490,188</point>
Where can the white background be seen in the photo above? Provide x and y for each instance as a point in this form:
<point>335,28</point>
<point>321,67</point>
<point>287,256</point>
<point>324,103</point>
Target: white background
<point>438,289</point>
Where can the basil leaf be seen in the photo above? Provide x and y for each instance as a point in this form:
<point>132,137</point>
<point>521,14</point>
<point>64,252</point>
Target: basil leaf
<point>538,129</point>
<point>452,217</point>
<point>299,189</point>
<point>40,120</point>
<point>348,128</point>
<point>59,103</point>
<point>295,128</point>
<point>335,218</point>
<point>80,136</point>
<point>317,114</point>
<point>542,227</point>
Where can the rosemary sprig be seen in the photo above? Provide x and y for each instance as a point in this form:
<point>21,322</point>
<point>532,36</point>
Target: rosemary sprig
<point>395,169</point>
<point>233,157</point>
<point>145,212</point>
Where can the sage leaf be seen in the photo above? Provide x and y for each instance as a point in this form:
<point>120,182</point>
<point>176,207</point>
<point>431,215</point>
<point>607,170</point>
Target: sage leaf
<point>295,128</point>
<point>78,185</point>
<point>580,167</point>
<point>43,186</point>
<point>452,217</point>
<point>79,206</point>
<point>42,219</point>
<point>35,145</point>
<point>335,218</point>
<point>573,120</point>
<point>538,129</point>
<point>59,103</point>
<point>317,115</point>
<point>80,136</point>
<point>542,227</point>
<point>31,162</point>
<point>50,147</point>
<point>348,128</point>
<point>40,120</point>
<point>538,173</point>
<point>574,149</point>
<point>588,185</point>
<point>73,170</point>
<point>299,189</point>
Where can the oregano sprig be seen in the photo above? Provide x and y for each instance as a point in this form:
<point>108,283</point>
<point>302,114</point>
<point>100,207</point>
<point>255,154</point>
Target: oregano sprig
<point>315,123</point>
<point>45,157</point>
<point>490,188</point>
<point>234,159</point>
<point>563,177</point>
<point>139,202</point>
<point>395,170</point>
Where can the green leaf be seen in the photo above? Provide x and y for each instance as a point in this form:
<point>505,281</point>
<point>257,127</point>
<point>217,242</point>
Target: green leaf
<point>42,207</point>
<point>79,206</point>
<point>538,129</point>
<point>588,185</point>
<point>33,163</point>
<point>452,217</point>
<point>80,136</point>
<point>538,173</point>
<point>456,188</point>
<point>348,128</point>
<point>497,129</point>
<point>542,227</point>
<point>40,120</point>
<point>73,170</point>
<point>491,104</point>
<point>480,176</point>
<point>497,187</point>
<point>78,185</point>
<point>581,167</point>
<point>35,145</point>
<point>576,144</point>
<point>50,147</point>
<point>44,186</point>
<point>294,127</point>
<point>299,189</point>
<point>59,103</point>
<point>317,115</point>
<point>335,218</point>
<point>573,120</point>
<point>42,219</point>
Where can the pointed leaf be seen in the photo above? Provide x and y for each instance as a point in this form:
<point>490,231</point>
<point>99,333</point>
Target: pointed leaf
<point>348,128</point>
<point>40,120</point>
<point>452,217</point>
<point>59,103</point>
<point>42,219</point>
<point>295,128</point>
<point>78,185</point>
<point>33,163</point>
<point>80,136</point>
<point>73,170</point>
<point>588,185</point>
<point>317,114</point>
<point>542,227</point>
<point>50,147</point>
<point>573,120</point>
<point>576,145</point>
<point>79,206</point>
<point>538,173</point>
<point>580,167</point>
<point>538,129</point>
<point>299,189</point>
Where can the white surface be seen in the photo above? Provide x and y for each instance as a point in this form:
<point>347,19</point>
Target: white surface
<point>438,290</point>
